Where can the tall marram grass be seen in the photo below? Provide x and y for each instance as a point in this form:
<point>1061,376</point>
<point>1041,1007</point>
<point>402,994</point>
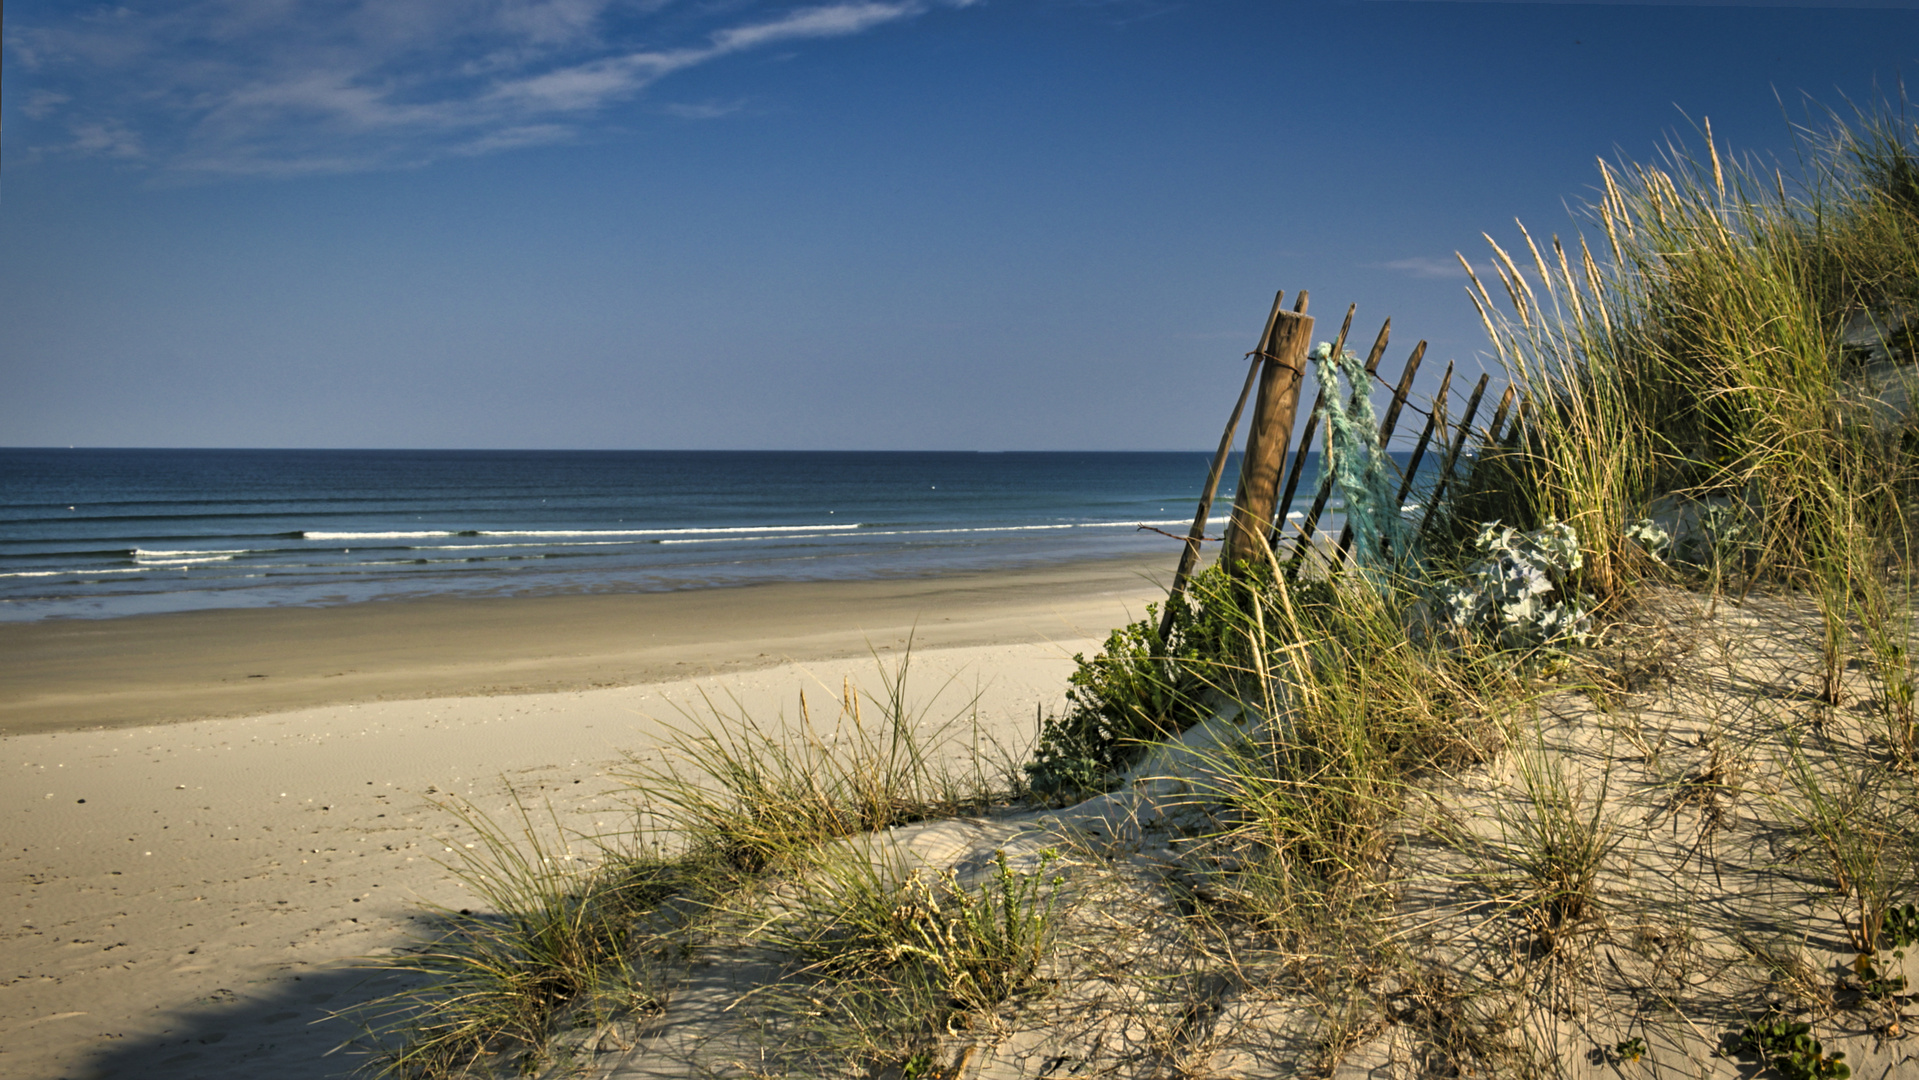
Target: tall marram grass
<point>1707,364</point>
<point>1348,713</point>
<point>564,928</point>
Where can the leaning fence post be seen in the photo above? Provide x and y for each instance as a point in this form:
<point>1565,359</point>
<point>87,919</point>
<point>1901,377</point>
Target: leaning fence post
<point>1305,443</point>
<point>1435,421</point>
<point>1492,437</point>
<point>1190,556</point>
<point>1452,455</point>
<point>1269,436</point>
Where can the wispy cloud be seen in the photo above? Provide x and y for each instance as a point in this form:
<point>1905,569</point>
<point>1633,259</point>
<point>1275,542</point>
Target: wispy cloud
<point>1420,266</point>
<point>704,110</point>
<point>294,87</point>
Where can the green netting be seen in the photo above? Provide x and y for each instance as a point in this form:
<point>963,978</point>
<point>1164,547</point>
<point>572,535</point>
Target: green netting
<point>1366,480</point>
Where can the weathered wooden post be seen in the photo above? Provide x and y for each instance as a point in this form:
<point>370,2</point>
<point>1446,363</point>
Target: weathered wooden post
<point>1190,557</point>
<point>1288,336</point>
<point>1438,498</point>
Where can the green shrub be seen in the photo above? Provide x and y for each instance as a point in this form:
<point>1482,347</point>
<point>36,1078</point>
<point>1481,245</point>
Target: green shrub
<point>1140,689</point>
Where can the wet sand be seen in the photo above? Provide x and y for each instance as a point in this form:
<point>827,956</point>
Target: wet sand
<point>70,674</point>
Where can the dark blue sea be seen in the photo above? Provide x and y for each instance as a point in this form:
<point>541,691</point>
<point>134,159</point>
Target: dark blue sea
<point>96,532</point>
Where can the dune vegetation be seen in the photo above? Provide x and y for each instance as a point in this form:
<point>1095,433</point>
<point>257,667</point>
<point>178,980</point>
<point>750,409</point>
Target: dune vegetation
<point>1610,767</point>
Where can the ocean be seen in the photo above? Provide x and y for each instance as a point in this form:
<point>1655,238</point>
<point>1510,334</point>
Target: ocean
<point>101,533</point>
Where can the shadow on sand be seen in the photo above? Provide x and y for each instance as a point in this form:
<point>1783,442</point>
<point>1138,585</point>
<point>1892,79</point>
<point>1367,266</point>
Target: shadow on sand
<point>285,1033</point>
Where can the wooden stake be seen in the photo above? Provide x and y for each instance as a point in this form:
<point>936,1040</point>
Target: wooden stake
<point>1492,437</point>
<point>1269,436</point>
<point>1426,436</point>
<point>1452,454</point>
<point>1190,557</point>
<point>1306,442</point>
<point>1499,417</point>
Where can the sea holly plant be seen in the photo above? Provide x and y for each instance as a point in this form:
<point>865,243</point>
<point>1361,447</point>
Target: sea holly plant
<point>1517,594</point>
<point>1646,531</point>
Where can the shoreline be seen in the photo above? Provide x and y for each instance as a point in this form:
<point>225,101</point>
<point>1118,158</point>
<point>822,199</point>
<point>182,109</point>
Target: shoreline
<point>138,670</point>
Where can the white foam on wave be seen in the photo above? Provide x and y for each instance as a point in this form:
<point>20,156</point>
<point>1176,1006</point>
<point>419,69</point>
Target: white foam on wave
<point>143,555</point>
<point>503,547</point>
<point>670,532</point>
<point>375,535</point>
<point>559,533</point>
<point>74,573</point>
<point>758,536</point>
<point>185,562</point>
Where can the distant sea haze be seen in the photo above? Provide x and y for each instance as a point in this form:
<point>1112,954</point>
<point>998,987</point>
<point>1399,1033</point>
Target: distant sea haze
<point>96,533</point>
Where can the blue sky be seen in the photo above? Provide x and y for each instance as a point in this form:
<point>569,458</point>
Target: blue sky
<point>884,224</point>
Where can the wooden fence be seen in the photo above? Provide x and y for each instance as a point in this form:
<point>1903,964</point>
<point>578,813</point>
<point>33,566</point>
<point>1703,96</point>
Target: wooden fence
<point>1267,486</point>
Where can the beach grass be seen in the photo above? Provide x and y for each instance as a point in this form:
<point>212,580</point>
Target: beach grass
<point>554,931</point>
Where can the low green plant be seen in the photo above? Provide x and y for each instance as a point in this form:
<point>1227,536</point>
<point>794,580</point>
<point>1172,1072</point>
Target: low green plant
<point>1518,594</point>
<point>1141,688</point>
<point>1133,691</point>
<point>1898,931</point>
<point>1791,1048</point>
<point>1899,927</point>
<point>1629,1049</point>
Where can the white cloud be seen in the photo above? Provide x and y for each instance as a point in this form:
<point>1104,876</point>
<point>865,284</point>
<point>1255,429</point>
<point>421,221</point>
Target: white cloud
<point>516,137</point>
<point>708,110</point>
<point>1420,266</point>
<point>43,103</point>
<point>106,138</point>
<point>291,87</point>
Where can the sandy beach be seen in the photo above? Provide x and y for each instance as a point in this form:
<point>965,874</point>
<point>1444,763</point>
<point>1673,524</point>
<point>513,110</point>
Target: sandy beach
<point>210,816</point>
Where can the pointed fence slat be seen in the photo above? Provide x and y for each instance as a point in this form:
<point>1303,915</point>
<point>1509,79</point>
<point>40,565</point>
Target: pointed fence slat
<point>1494,435</point>
<point>1269,436</point>
<point>1433,420</point>
<point>1452,454</point>
<point>1499,417</point>
<point>1190,556</point>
